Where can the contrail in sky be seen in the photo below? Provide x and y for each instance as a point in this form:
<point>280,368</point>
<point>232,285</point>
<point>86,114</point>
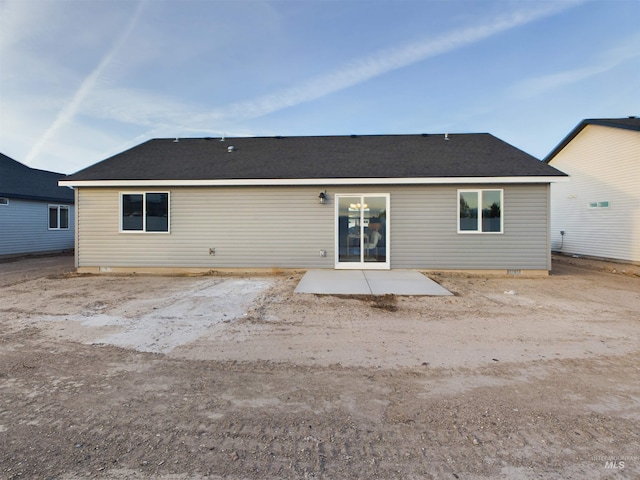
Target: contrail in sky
<point>378,64</point>
<point>538,85</point>
<point>70,110</point>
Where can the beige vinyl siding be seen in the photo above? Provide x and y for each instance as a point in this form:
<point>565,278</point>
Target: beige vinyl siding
<point>287,227</point>
<point>248,228</point>
<point>424,230</point>
<point>604,165</point>
<point>24,227</point>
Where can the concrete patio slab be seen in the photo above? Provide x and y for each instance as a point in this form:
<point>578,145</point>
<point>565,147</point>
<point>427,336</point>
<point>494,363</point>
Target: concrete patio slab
<point>327,282</point>
<point>368,282</point>
<point>403,282</point>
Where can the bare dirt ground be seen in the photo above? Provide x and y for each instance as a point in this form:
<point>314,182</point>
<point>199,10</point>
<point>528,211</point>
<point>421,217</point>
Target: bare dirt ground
<point>237,377</point>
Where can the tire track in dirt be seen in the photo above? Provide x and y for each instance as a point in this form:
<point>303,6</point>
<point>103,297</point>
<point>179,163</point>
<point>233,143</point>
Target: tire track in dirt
<point>85,411</point>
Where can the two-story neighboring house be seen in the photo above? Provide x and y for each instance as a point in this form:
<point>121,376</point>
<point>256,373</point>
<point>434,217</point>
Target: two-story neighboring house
<point>597,213</point>
<point>36,215</point>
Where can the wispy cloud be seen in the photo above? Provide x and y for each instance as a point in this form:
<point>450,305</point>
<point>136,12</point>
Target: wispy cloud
<point>14,15</point>
<point>86,87</point>
<point>380,63</point>
<point>162,114</point>
<point>533,87</point>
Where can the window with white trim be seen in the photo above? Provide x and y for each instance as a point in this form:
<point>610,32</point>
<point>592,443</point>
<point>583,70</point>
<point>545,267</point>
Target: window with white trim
<point>144,212</point>
<point>604,204</point>
<point>58,217</point>
<point>4,201</point>
<point>480,211</point>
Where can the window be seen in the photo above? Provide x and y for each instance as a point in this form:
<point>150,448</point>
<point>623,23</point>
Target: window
<point>58,217</point>
<point>144,212</point>
<point>479,211</point>
<point>4,201</point>
<point>604,204</point>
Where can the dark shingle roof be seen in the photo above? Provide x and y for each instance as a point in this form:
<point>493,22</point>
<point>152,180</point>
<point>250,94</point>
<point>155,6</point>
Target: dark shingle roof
<point>629,123</point>
<point>319,157</point>
<point>19,181</point>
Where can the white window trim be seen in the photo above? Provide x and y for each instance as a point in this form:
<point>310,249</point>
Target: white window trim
<point>363,265</point>
<point>4,201</point>
<point>479,192</point>
<point>144,212</point>
<point>58,208</point>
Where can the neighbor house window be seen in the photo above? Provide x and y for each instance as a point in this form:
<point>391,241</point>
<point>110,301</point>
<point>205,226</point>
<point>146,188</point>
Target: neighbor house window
<point>144,212</point>
<point>479,211</point>
<point>58,217</point>
<point>604,204</point>
<point>4,201</point>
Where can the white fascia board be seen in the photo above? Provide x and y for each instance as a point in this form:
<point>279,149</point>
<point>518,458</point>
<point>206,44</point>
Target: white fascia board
<point>311,181</point>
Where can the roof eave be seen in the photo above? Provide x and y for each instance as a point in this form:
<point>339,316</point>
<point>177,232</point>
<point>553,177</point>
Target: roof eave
<point>36,198</point>
<point>315,181</point>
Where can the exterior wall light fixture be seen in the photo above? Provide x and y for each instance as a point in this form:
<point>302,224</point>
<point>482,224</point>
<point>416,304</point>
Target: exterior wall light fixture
<point>323,197</point>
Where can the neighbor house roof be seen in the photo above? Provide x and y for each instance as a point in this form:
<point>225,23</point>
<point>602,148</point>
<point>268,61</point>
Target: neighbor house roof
<point>314,160</point>
<point>628,123</point>
<point>19,181</point>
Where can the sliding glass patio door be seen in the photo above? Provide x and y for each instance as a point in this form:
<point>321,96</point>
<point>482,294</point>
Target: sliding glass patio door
<point>362,231</point>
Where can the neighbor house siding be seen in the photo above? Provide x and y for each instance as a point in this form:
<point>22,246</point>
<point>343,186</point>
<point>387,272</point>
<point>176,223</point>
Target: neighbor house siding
<point>604,165</point>
<point>25,228</point>
<point>286,227</point>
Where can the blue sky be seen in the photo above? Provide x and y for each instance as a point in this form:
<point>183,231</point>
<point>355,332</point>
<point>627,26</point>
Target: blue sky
<point>83,80</point>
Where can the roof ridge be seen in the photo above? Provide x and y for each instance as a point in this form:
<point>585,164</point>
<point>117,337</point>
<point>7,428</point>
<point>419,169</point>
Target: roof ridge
<point>351,135</point>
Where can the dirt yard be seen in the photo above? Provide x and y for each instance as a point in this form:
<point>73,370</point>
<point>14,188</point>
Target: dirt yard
<point>134,377</point>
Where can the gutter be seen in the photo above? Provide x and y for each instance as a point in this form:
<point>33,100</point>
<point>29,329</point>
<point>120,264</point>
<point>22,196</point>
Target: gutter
<point>315,181</point>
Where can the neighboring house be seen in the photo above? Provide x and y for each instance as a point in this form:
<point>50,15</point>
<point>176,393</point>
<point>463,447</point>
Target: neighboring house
<point>36,215</point>
<point>429,202</point>
<point>597,213</point>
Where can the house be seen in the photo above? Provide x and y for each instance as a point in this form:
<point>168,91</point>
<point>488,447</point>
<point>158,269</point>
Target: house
<point>36,215</point>
<point>432,202</point>
<point>597,213</point>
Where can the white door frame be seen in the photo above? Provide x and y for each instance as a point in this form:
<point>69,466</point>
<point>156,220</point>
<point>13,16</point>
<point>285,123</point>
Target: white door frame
<point>362,264</point>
